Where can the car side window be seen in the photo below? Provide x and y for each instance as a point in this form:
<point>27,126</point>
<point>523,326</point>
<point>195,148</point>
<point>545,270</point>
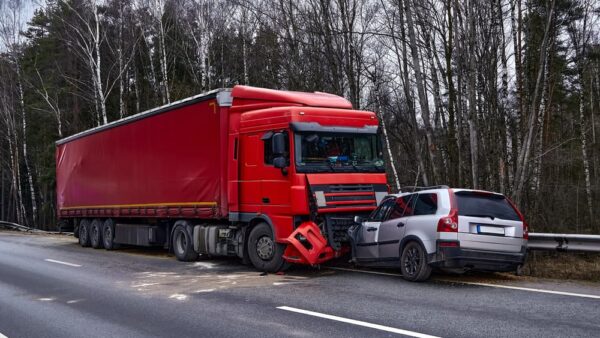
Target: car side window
<point>403,207</point>
<point>380,213</point>
<point>426,204</point>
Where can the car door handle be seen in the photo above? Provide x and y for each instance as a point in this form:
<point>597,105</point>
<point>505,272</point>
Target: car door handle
<point>400,224</point>
<point>371,228</point>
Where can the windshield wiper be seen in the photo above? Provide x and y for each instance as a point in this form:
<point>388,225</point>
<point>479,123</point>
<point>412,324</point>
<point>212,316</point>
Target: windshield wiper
<point>480,215</point>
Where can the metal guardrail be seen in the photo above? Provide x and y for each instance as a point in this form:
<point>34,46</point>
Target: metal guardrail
<point>563,242</point>
<point>19,227</point>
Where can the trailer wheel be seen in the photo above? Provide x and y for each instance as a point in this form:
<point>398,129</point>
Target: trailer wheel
<point>265,254</point>
<point>182,244</point>
<point>96,233</point>
<point>108,234</point>
<point>84,232</point>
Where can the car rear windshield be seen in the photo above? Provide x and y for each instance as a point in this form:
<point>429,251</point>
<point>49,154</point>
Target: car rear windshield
<point>485,205</point>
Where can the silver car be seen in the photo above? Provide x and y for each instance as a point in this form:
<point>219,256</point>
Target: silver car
<point>450,229</point>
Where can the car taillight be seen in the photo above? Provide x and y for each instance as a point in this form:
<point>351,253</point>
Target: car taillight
<point>525,225</point>
<point>525,230</point>
<point>448,223</point>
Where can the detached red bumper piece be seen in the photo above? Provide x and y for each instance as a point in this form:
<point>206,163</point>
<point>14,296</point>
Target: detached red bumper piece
<point>306,245</point>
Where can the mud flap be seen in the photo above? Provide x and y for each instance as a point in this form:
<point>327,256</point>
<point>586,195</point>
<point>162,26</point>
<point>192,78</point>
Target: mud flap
<point>306,245</point>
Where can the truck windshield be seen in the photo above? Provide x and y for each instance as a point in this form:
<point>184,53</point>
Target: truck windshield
<point>337,152</point>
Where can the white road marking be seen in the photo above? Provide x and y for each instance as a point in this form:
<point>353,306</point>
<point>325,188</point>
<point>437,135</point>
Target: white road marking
<point>46,299</point>
<point>178,296</point>
<point>61,262</point>
<point>367,271</point>
<point>204,290</point>
<point>357,322</point>
<point>562,293</point>
<point>3,336</point>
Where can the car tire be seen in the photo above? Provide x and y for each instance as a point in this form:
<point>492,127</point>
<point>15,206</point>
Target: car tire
<point>265,254</point>
<point>182,244</point>
<point>108,234</point>
<point>84,232</point>
<point>95,234</point>
<point>413,262</point>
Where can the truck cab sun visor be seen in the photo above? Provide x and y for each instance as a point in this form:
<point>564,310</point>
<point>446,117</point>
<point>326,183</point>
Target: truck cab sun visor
<point>316,127</point>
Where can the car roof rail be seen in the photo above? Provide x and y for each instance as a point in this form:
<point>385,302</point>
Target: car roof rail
<point>419,188</point>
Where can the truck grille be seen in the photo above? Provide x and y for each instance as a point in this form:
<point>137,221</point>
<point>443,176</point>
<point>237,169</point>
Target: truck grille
<point>346,196</point>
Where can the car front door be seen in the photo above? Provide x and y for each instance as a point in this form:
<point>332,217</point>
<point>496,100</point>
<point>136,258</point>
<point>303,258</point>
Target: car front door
<point>392,229</point>
<point>366,241</point>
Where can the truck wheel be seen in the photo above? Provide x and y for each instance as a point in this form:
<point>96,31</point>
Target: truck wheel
<point>413,263</point>
<point>265,254</point>
<point>183,246</point>
<point>84,232</point>
<point>108,234</point>
<point>96,233</point>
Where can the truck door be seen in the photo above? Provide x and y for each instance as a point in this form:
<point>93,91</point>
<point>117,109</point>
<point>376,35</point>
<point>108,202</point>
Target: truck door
<point>366,243</point>
<point>275,183</point>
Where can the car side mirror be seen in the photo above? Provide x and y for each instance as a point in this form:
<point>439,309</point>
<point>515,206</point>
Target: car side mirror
<point>278,142</point>
<point>358,219</point>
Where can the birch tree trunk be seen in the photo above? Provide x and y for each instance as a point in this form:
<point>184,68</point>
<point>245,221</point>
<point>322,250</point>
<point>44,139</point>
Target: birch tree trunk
<point>525,149</point>
<point>422,93</point>
<point>471,84</point>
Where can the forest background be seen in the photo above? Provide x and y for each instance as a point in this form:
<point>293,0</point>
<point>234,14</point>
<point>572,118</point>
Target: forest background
<point>500,95</point>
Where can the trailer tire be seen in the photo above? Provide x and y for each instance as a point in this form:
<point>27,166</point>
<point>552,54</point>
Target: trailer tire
<point>108,234</point>
<point>182,243</point>
<point>265,254</point>
<point>96,234</point>
<point>84,232</point>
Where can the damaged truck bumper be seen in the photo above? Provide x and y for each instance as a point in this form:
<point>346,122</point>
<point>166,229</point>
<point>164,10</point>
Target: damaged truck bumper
<point>306,245</point>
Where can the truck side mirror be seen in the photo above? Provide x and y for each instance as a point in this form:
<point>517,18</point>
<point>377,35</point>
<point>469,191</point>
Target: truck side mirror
<point>279,162</point>
<point>358,219</point>
<point>278,142</point>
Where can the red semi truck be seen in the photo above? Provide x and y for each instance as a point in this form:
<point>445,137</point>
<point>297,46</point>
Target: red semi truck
<point>273,177</point>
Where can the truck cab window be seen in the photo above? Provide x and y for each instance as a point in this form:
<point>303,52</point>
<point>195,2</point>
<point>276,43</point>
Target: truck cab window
<point>268,147</point>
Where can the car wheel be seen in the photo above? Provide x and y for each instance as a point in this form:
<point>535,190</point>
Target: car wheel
<point>182,243</point>
<point>265,254</point>
<point>413,263</point>
<point>108,234</point>
<point>95,233</point>
<point>84,232</point>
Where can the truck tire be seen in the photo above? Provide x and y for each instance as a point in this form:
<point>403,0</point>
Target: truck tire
<point>96,234</point>
<point>265,254</point>
<point>108,234</point>
<point>84,232</point>
<point>182,243</point>
<point>413,263</point>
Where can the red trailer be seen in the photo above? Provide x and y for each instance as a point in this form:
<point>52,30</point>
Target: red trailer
<point>270,176</point>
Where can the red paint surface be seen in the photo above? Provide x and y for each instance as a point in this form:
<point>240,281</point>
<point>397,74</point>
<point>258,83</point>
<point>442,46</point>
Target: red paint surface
<point>170,158</point>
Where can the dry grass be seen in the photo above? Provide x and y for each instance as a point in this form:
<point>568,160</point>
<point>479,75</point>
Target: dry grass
<point>563,265</point>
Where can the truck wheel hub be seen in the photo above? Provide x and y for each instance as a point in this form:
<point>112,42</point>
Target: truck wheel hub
<point>265,248</point>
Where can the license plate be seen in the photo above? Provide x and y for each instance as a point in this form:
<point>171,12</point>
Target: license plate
<point>483,229</point>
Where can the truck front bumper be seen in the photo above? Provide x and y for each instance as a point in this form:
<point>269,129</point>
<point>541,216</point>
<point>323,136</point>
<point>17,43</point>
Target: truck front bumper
<point>458,258</point>
<point>306,245</point>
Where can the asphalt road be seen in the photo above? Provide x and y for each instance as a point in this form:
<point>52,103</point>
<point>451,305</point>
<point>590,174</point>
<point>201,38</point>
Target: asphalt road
<point>51,287</point>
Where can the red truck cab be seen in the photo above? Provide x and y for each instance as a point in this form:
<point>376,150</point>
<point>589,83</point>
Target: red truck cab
<point>290,171</point>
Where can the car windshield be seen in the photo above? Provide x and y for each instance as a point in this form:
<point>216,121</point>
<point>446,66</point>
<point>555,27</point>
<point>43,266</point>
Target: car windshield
<point>338,152</point>
<point>485,205</point>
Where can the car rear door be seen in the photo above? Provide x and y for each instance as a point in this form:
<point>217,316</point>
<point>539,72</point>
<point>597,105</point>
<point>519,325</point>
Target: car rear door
<point>487,221</point>
<point>392,229</point>
<point>366,241</point>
